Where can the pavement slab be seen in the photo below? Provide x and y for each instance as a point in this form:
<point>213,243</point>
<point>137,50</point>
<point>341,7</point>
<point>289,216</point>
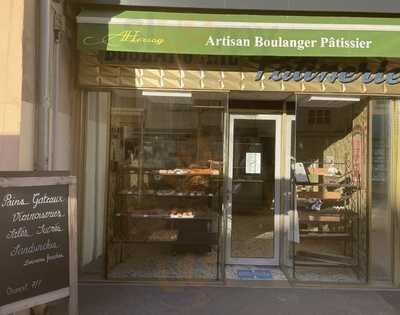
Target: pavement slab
<point>125,299</point>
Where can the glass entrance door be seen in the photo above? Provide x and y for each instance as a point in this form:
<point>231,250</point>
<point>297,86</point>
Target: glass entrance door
<point>252,199</point>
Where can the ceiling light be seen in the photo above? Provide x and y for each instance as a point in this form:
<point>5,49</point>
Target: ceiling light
<point>166,94</point>
<point>334,99</point>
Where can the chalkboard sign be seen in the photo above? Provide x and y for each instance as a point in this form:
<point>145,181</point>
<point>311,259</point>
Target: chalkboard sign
<point>35,240</point>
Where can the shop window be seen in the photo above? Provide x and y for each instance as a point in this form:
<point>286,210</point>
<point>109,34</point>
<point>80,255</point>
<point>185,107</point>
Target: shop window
<point>165,185</point>
<point>94,178</point>
<point>331,219</point>
<point>381,243</point>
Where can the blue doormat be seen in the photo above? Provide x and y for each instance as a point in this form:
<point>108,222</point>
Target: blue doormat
<point>255,274</point>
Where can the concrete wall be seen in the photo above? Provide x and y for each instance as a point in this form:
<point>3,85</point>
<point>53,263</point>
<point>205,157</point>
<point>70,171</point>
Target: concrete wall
<point>18,83</point>
<point>11,65</point>
<point>19,50</point>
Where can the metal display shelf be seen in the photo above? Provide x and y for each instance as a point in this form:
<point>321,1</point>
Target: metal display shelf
<point>155,194</point>
<point>165,216</point>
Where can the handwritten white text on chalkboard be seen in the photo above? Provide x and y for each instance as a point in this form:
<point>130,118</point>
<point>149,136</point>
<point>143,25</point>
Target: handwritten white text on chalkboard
<point>21,232</point>
<point>39,199</point>
<point>34,248</point>
<point>29,262</point>
<point>21,216</point>
<point>35,284</point>
<point>47,229</point>
<point>54,257</point>
<point>10,201</point>
<point>33,241</point>
<point>43,260</point>
<point>17,290</point>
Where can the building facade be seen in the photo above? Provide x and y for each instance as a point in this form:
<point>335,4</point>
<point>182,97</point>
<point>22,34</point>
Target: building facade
<point>213,142</point>
<point>228,146</point>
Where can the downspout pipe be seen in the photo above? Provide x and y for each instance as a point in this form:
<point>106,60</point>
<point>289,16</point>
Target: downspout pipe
<point>43,112</point>
<point>57,33</point>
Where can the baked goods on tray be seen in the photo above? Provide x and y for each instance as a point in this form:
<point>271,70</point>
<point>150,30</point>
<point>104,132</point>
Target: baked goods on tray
<point>190,171</point>
<point>181,213</point>
<point>204,171</point>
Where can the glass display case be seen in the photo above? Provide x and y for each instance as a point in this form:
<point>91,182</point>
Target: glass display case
<point>165,186</point>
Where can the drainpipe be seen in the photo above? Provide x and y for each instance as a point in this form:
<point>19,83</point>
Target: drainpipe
<point>58,31</point>
<point>43,113</point>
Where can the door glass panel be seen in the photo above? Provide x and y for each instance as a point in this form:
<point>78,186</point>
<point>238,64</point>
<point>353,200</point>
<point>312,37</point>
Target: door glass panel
<point>331,178</point>
<point>253,189</point>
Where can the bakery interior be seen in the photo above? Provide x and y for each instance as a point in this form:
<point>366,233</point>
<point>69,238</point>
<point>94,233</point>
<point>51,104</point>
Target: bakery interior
<point>165,186</point>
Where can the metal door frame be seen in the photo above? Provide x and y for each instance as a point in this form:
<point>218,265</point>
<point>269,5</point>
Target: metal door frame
<point>289,213</point>
<point>274,261</point>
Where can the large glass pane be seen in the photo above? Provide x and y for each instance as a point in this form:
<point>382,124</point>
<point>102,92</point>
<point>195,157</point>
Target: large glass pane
<point>97,108</point>
<point>165,185</point>
<point>331,187</point>
<point>253,188</point>
<point>381,246</point>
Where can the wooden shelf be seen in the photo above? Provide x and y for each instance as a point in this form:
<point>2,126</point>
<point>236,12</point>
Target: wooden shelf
<point>328,210</point>
<point>323,195</point>
<point>133,170</point>
<point>127,170</point>
<point>319,217</point>
<point>186,174</point>
<point>154,194</point>
<point>322,171</point>
<point>164,216</point>
<point>329,185</point>
<point>326,236</point>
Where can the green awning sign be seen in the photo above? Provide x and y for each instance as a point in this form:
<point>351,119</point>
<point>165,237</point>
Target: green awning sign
<point>240,35</point>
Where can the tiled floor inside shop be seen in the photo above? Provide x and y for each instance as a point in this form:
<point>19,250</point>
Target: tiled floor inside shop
<point>327,274</point>
<point>166,265</point>
<point>253,236</point>
<point>312,252</point>
<point>161,262</point>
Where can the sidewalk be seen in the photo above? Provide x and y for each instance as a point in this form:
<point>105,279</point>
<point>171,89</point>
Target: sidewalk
<point>153,300</point>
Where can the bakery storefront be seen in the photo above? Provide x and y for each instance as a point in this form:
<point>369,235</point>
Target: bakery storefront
<point>238,147</point>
